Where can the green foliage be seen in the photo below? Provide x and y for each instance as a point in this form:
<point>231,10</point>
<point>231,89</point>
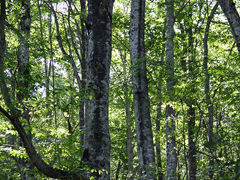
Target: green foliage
<point>54,118</point>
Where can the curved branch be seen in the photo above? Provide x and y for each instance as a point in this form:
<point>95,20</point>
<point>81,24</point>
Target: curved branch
<point>35,158</point>
<point>13,116</point>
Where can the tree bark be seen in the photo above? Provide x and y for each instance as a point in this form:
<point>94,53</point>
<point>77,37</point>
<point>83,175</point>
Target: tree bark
<point>23,75</point>
<point>191,109</point>
<point>170,112</point>
<point>96,152</point>
<point>158,119</point>
<point>159,116</point>
<point>207,91</point>
<point>230,11</point>
<point>140,91</point>
<point>23,53</point>
<point>127,106</point>
<point>191,144</point>
<point>84,49</point>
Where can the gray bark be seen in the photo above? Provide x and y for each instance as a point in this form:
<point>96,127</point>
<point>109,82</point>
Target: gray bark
<point>230,11</point>
<point>96,152</point>
<point>140,91</point>
<point>170,113</point>
<point>207,92</point>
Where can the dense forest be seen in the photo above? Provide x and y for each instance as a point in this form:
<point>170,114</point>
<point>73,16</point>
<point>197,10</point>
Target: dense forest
<point>124,89</point>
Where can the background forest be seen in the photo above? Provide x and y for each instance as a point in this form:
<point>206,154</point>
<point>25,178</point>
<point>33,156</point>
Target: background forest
<point>164,105</point>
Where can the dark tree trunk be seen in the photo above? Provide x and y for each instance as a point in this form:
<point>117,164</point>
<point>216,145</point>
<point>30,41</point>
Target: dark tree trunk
<point>207,92</point>
<point>96,138</point>
<point>140,91</point>
<point>83,69</point>
<point>192,144</point>
<point>127,106</point>
<point>160,174</point>
<point>192,167</point>
<point>23,75</point>
<point>23,55</point>
<point>230,11</point>
<point>158,147</point>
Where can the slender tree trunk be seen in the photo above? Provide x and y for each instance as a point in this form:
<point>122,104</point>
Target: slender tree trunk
<point>140,91</point>
<point>191,111</point>
<point>23,55</point>
<point>170,112</point>
<point>158,147</point>
<point>96,138</point>
<point>230,11</point>
<point>118,170</point>
<point>2,45</point>
<point>159,116</point>
<point>191,144</point>
<point>129,133</point>
<point>52,68</point>
<point>207,91</point>
<point>84,39</point>
<point>24,74</point>
<point>46,72</point>
<point>127,104</point>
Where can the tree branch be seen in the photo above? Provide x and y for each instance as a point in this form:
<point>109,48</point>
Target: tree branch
<point>35,158</point>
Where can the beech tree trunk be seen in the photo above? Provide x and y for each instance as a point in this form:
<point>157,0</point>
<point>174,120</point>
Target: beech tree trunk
<point>170,113</point>
<point>96,138</point>
<point>230,11</point>
<point>140,91</point>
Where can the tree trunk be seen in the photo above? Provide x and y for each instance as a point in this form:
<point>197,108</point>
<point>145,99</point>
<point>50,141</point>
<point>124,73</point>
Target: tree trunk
<point>158,119</point>
<point>127,106</point>
<point>170,112</point>
<point>191,111</point>
<point>23,55</point>
<point>24,75</point>
<point>230,11</point>
<point>207,92</point>
<point>46,72</point>
<point>96,138</point>
<point>140,91</point>
<point>83,69</point>
<point>159,116</point>
<point>191,144</point>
